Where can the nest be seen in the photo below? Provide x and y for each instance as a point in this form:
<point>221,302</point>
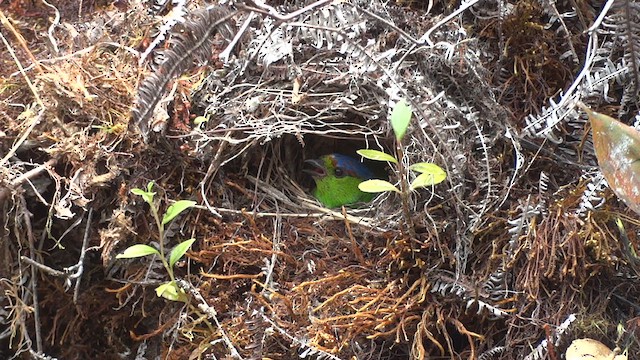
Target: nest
<point>522,233</point>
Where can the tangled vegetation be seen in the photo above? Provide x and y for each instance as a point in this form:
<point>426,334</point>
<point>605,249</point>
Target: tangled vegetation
<point>520,249</point>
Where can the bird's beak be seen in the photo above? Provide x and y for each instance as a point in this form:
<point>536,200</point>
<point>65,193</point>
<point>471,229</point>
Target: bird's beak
<point>315,168</point>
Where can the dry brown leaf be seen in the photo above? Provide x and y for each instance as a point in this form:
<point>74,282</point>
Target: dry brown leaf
<point>590,349</point>
<point>617,147</point>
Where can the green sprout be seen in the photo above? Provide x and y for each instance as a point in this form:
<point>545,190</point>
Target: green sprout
<point>429,174</point>
<point>168,290</point>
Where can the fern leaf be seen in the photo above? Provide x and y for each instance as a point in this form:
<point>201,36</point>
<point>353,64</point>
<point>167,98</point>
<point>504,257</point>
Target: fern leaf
<point>190,42</point>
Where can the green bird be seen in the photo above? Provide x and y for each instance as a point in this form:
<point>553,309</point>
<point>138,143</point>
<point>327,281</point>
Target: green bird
<point>337,177</point>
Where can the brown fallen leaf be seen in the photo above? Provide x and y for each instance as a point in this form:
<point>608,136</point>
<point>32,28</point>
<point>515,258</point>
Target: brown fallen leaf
<point>590,349</point>
<point>617,148</point>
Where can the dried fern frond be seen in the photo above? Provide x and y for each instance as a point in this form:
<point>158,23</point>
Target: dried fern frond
<point>624,26</point>
<point>612,58</point>
<point>192,41</point>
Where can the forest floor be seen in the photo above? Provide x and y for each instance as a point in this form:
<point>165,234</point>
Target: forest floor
<point>520,251</point>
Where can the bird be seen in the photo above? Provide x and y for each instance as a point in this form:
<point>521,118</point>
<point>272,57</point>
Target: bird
<point>337,177</point>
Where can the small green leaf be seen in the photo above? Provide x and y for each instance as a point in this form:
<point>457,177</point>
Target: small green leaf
<point>428,179</point>
<point>138,250</point>
<point>376,155</point>
<point>179,251</point>
<point>430,174</point>
<point>200,120</point>
<point>400,117</point>
<point>175,209</point>
<point>430,168</point>
<point>376,186</point>
<point>147,196</point>
<point>168,290</point>
<point>171,291</point>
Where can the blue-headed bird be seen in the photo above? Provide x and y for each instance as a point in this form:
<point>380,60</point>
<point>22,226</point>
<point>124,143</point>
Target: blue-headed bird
<point>337,177</point>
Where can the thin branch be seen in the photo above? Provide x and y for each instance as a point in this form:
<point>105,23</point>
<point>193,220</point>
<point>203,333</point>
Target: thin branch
<point>263,8</point>
<point>34,275</point>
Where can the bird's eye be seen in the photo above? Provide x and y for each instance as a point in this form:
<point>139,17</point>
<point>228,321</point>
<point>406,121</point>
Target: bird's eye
<point>339,172</point>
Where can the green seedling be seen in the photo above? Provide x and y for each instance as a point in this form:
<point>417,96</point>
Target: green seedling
<point>429,174</point>
<point>168,290</point>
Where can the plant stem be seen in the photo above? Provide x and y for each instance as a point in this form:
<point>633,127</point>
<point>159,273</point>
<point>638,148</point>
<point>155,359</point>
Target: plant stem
<point>404,189</point>
<point>156,216</point>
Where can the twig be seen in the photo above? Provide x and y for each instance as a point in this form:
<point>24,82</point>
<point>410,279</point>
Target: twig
<point>4,192</point>
<point>426,38</point>
<point>33,172</point>
<point>214,166</point>
<point>405,192</point>
<point>34,275</point>
<point>601,16</point>
<point>217,211</point>
<point>210,312</point>
<point>263,8</point>
<point>224,55</point>
<point>300,343</point>
<point>277,234</point>
<point>388,23</point>
<point>23,44</point>
<point>42,267</point>
<point>39,356</point>
<point>566,31</point>
<point>272,191</point>
<point>35,119</point>
<point>338,216</point>
<point>67,273</point>
<point>354,244</point>
<point>84,51</point>
<point>80,265</point>
<point>56,21</point>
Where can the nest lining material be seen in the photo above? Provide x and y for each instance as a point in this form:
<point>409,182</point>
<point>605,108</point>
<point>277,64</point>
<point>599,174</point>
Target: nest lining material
<point>491,244</point>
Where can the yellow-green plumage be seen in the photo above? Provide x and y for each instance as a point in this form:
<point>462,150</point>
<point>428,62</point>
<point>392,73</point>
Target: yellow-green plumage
<point>337,177</point>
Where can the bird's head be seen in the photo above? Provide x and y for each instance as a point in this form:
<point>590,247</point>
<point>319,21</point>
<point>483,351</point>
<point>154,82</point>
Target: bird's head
<point>337,177</point>
<point>337,166</point>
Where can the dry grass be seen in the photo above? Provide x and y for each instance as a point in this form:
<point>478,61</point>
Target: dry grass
<point>503,252</point>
